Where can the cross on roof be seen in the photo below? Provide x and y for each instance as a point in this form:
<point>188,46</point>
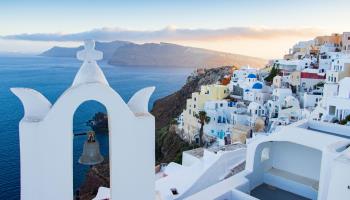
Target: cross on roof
<point>89,53</point>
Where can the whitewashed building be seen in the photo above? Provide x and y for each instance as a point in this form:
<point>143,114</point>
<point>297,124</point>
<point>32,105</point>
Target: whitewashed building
<point>275,103</point>
<point>255,111</point>
<point>338,107</point>
<point>290,109</point>
<point>220,124</point>
<point>242,73</point>
<point>200,169</point>
<point>340,68</point>
<point>309,78</point>
<point>311,99</point>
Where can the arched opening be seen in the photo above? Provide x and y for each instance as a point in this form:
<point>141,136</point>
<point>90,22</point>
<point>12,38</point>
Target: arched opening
<point>90,116</point>
<point>286,166</point>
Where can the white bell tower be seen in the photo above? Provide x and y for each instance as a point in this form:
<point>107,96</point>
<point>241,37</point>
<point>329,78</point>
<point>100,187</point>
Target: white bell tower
<point>46,137</point>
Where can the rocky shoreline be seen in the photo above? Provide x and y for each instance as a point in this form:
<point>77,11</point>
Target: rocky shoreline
<point>169,145</point>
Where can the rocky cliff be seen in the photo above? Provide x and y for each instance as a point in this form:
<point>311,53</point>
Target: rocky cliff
<point>171,106</point>
<point>169,145</point>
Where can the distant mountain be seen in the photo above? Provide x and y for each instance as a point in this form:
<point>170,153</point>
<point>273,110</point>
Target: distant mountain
<point>166,54</point>
<point>108,49</point>
<point>163,55</point>
<point>61,52</point>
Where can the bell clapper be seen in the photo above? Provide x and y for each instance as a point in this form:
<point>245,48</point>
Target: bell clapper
<point>91,152</point>
<point>91,136</point>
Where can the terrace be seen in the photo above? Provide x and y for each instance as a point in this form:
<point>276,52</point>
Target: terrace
<point>291,168</point>
<point>281,170</point>
<point>268,192</point>
<point>283,165</point>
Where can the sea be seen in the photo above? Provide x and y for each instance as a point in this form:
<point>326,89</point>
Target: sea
<point>52,76</point>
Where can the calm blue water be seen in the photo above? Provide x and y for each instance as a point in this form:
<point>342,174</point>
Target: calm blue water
<point>51,77</point>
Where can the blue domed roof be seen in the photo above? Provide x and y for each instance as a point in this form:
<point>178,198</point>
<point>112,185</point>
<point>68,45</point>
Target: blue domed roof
<point>251,76</point>
<point>257,86</point>
<point>246,90</point>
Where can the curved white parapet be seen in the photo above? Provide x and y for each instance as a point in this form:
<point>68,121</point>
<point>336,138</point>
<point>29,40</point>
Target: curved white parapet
<point>35,105</point>
<point>138,103</point>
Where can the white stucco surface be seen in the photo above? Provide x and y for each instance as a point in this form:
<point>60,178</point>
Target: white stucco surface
<point>208,170</point>
<point>46,144</point>
<point>299,160</point>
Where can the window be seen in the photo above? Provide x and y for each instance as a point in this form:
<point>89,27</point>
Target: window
<point>331,110</point>
<point>219,119</point>
<point>265,154</point>
<point>221,104</point>
<point>174,191</point>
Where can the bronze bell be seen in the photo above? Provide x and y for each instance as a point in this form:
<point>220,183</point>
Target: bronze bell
<point>91,151</point>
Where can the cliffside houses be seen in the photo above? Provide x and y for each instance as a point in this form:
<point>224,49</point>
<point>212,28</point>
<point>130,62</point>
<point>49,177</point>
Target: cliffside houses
<point>221,114</point>
<point>296,126</point>
<point>188,119</point>
<point>335,105</point>
<point>306,76</point>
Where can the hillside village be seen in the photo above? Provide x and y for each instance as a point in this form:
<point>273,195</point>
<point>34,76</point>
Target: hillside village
<point>309,82</point>
<point>281,132</point>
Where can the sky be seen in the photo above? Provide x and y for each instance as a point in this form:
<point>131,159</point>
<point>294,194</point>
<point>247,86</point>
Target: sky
<point>261,28</point>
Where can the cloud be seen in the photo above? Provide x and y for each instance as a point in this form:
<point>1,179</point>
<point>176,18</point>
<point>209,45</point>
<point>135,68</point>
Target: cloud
<point>172,33</point>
